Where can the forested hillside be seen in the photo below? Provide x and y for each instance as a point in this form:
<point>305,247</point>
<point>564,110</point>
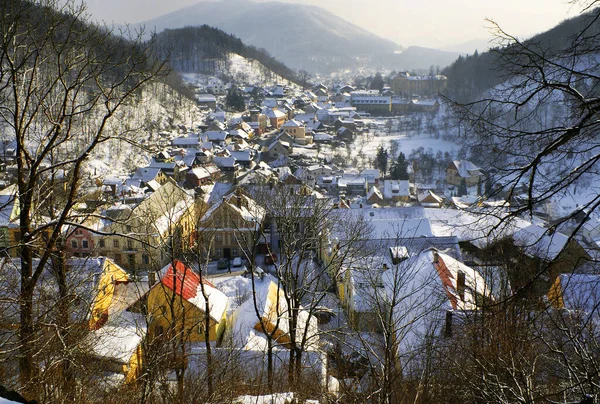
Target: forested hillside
<point>472,75</point>
<point>205,50</point>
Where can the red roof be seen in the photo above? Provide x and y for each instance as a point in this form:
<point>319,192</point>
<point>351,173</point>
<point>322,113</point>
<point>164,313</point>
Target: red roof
<point>446,278</point>
<point>182,280</point>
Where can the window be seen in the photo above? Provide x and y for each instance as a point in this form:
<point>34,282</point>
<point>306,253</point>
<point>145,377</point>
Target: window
<point>130,244</point>
<point>116,243</point>
<point>219,252</point>
<point>131,260</point>
<point>74,243</point>
<point>218,237</point>
<point>102,243</point>
<point>234,252</point>
<point>84,244</point>
<point>145,259</point>
<point>128,228</point>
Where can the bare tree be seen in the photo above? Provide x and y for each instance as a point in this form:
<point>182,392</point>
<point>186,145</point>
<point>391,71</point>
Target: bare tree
<point>62,80</point>
<point>536,132</point>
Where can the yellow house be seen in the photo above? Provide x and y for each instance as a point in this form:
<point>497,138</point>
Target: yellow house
<point>111,295</point>
<point>116,334</point>
<point>117,345</point>
<point>177,302</point>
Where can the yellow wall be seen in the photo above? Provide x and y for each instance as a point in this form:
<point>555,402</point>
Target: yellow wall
<point>160,301</point>
<point>555,294</point>
<point>111,274</point>
<point>134,368</point>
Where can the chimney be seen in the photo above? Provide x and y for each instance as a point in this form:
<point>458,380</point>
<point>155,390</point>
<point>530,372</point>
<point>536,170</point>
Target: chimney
<point>239,201</point>
<point>460,284</point>
<point>448,327</point>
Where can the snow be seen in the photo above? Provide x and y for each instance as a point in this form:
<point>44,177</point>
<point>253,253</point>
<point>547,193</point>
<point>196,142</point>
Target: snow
<point>485,228</point>
<point>216,299</point>
<point>6,401</point>
<point>119,337</point>
<point>276,398</point>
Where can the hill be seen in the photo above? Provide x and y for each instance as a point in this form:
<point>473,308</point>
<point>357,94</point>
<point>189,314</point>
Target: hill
<point>207,50</point>
<point>303,37</point>
<point>469,76</point>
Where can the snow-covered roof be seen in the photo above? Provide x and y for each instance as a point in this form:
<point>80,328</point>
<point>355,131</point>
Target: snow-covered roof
<point>8,202</point>
<point>215,135</point>
<point>275,113</point>
<point>489,226</point>
<point>146,174</point>
<point>292,123</point>
<point>466,168</point>
<point>245,206</point>
<point>374,191</point>
<point>393,223</point>
<point>273,310</point>
<point>227,162</point>
<point>119,337</point>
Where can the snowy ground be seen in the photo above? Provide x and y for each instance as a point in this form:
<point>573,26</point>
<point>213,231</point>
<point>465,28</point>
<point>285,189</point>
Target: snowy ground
<point>365,146</point>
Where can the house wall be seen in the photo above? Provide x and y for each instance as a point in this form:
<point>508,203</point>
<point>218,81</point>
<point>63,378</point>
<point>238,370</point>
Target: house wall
<point>111,275</point>
<point>146,247</point>
<point>167,309</point>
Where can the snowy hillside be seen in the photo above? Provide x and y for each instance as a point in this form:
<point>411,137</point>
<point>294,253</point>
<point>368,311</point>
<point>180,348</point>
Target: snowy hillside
<point>240,70</point>
<point>160,110</point>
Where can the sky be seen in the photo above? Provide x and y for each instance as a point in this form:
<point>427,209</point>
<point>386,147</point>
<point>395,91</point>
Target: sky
<point>432,23</point>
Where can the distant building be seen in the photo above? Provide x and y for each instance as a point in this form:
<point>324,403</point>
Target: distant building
<point>461,170</point>
<point>408,85</point>
<point>371,101</point>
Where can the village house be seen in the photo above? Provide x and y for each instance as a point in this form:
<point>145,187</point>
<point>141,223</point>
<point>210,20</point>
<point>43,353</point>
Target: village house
<point>297,130</point>
<point>207,101</point>
<point>428,199</point>
<point>9,225</point>
<point>191,141</point>
<point>202,175</point>
<point>182,285</point>
<point>396,190</point>
<point>148,234</point>
<point>463,170</point>
<point>276,117</point>
<point>276,150</point>
<point>228,229</point>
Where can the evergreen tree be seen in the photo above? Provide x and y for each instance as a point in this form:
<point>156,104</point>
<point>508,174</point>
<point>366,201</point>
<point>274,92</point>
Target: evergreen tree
<point>399,168</point>
<point>381,160</point>
<point>235,99</point>
<point>377,82</point>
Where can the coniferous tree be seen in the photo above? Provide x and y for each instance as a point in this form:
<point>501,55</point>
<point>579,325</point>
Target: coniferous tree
<point>381,160</point>
<point>399,168</point>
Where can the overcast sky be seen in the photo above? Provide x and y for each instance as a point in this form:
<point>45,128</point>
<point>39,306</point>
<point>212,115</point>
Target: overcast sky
<point>434,23</point>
